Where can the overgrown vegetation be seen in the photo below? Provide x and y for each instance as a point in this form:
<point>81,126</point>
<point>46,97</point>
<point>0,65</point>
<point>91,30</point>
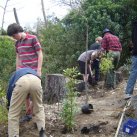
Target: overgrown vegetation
<point>7,66</point>
<point>69,107</point>
<point>63,41</point>
<point>3,110</point>
<point>106,64</point>
<point>7,60</point>
<point>127,65</point>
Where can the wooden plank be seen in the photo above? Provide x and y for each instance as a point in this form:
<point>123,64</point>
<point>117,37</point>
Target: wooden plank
<point>122,116</point>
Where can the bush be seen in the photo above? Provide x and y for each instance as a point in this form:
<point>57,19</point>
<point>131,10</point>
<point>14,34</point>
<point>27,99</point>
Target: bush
<point>3,110</point>
<point>69,107</point>
<point>7,59</point>
<point>105,65</point>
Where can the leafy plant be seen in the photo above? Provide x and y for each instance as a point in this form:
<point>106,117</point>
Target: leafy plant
<point>106,64</point>
<point>69,107</point>
<point>3,114</point>
<point>3,110</point>
<point>7,59</point>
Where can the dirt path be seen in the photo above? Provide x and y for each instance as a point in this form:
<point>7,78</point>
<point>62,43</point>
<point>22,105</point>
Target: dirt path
<point>108,106</point>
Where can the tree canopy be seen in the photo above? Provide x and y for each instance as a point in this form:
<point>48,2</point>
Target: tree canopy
<point>65,40</point>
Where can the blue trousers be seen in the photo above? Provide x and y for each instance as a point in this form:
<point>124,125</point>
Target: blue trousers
<point>133,76</point>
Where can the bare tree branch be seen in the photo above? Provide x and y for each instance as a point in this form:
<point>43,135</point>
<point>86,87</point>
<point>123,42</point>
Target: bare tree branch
<point>16,17</point>
<point>70,3</point>
<point>44,14</point>
<point>3,17</point>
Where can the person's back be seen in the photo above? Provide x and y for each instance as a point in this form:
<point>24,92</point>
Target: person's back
<point>24,84</point>
<point>97,44</point>
<point>111,42</point>
<point>15,76</point>
<point>85,55</point>
<point>94,46</point>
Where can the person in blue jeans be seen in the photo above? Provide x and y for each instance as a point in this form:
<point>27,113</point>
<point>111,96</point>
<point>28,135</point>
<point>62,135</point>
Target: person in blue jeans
<point>133,73</point>
<point>132,78</point>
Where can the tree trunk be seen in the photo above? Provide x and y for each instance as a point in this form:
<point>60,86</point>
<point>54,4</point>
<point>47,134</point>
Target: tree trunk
<point>44,14</point>
<point>16,17</point>
<point>54,88</point>
<point>3,17</point>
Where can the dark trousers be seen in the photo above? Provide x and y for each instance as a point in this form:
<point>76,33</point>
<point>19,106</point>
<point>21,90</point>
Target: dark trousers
<point>95,67</point>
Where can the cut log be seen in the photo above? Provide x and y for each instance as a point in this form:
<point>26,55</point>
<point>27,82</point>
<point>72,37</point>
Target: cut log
<point>54,88</point>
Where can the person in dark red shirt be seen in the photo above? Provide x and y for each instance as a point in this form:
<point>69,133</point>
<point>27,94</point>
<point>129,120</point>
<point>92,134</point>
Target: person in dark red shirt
<point>111,44</point>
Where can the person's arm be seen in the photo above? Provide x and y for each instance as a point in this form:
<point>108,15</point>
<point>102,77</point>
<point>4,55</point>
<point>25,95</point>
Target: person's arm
<point>17,61</point>
<point>38,49</point>
<point>89,65</point>
<point>104,43</point>
<point>40,61</point>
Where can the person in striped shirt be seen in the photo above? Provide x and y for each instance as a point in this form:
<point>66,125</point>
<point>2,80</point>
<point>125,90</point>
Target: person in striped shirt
<point>28,53</point>
<point>28,49</point>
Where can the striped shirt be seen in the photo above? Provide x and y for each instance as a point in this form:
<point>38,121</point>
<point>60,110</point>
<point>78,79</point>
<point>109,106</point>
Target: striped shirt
<point>27,49</point>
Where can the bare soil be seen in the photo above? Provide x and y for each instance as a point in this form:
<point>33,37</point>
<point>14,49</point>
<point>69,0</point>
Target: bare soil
<point>103,121</point>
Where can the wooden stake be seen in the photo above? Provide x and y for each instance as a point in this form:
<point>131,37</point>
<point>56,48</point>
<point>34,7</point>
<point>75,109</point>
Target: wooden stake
<point>122,116</point>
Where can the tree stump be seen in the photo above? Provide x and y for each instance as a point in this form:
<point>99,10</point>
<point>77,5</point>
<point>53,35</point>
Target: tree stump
<point>54,88</point>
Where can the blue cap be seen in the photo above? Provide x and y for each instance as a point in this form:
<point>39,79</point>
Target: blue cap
<point>106,30</point>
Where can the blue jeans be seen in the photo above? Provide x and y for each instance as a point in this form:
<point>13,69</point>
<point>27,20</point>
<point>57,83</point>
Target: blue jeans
<point>132,77</point>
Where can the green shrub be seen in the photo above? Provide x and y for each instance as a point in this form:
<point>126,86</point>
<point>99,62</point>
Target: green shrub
<point>69,107</point>
<point>3,110</point>
<point>106,64</point>
<point>7,59</point>
<point>3,114</point>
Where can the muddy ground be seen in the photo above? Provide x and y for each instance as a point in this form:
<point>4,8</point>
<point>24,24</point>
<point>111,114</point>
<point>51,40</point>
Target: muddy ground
<point>103,121</point>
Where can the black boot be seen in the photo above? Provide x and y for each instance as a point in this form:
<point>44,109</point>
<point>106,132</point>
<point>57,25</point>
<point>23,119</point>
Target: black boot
<point>42,133</point>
